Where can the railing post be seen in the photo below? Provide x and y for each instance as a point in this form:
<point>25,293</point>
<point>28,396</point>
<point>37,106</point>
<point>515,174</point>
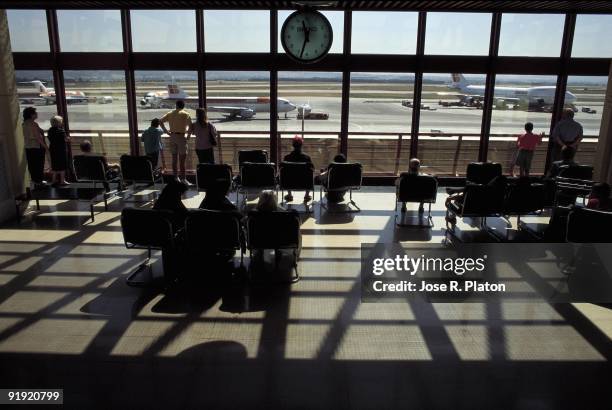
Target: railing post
<point>398,153</point>
<point>457,152</point>
<point>219,133</point>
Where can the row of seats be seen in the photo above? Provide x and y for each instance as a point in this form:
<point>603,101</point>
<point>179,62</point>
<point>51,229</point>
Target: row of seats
<point>152,230</point>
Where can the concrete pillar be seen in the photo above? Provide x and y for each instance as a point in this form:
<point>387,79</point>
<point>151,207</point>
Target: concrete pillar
<point>603,158</point>
<point>12,154</point>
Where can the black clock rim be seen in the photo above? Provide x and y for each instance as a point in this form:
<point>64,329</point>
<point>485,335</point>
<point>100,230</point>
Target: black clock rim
<point>301,60</point>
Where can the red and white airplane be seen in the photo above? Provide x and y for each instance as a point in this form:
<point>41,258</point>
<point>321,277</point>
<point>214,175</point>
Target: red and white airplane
<point>243,107</point>
<point>48,94</point>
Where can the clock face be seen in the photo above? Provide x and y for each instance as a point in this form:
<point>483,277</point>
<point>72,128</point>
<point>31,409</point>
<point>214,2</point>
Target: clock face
<point>306,36</point>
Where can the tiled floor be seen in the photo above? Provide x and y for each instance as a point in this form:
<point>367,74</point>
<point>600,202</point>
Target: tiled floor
<point>67,320</point>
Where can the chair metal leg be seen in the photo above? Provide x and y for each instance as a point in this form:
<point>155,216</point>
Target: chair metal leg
<point>145,265</point>
<point>297,277</point>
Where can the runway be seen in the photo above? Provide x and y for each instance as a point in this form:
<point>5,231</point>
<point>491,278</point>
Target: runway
<point>374,108</point>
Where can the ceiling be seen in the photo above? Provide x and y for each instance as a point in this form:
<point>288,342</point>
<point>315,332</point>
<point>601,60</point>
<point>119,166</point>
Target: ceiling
<point>600,6</point>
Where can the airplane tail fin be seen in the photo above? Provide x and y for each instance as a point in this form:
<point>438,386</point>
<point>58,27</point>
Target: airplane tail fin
<point>175,91</point>
<point>458,81</point>
<point>39,85</point>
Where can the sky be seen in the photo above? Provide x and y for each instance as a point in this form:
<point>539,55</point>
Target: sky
<point>373,32</point>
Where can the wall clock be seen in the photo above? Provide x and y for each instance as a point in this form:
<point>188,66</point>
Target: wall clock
<point>306,36</point>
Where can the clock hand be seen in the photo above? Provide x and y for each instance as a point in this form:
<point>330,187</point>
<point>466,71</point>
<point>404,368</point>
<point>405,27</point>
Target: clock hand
<point>306,31</point>
<point>303,47</point>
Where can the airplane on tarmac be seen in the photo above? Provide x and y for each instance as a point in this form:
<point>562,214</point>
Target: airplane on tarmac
<point>234,107</point>
<point>47,95</point>
<point>539,98</point>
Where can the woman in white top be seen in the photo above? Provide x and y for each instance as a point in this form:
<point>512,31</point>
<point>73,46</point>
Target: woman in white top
<point>35,145</point>
<point>205,136</point>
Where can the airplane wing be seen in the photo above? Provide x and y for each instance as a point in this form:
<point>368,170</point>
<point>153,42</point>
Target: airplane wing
<point>232,110</point>
<point>75,98</point>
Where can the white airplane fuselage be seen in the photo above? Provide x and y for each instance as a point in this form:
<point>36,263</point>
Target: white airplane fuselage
<point>245,107</point>
<point>541,94</point>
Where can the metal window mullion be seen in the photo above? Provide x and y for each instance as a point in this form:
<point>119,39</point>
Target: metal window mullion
<point>346,83</point>
<point>274,138</point>
<point>58,75</point>
<point>487,108</point>
<point>418,85</point>
<point>564,59</point>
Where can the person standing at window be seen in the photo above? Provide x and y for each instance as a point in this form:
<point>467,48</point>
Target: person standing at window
<point>58,141</point>
<point>205,137</point>
<point>567,133</point>
<point>153,145</point>
<point>35,145</point>
<point>180,122</point>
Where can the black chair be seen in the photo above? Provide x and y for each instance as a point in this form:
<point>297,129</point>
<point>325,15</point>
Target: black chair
<point>482,172</point>
<point>91,169</point>
<point>259,156</point>
<point>213,232</point>
<point>275,230</point>
<point>524,198</point>
<point>586,225</point>
<point>139,170</point>
<point>296,176</point>
<point>342,177</point>
<point>479,201</point>
<point>146,229</point>
<point>416,189</point>
<point>207,174</point>
<point>572,182</point>
<point>256,177</point>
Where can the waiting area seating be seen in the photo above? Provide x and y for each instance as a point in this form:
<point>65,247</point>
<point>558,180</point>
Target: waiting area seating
<point>295,176</point>
<point>342,177</point>
<point>137,169</point>
<point>422,189</point>
<point>149,229</point>
<point>91,169</point>
<point>152,230</point>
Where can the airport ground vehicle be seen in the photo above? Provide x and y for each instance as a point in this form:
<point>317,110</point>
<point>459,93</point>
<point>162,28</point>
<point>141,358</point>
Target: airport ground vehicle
<point>314,116</point>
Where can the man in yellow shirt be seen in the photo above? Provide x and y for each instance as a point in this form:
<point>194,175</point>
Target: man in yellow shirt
<point>179,121</point>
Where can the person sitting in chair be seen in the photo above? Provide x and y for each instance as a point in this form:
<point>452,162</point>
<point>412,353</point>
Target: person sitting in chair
<point>268,202</point>
<point>414,167</point>
<point>298,156</point>
<point>216,197</point>
<point>456,199</point>
<point>567,160</point>
<point>170,200</point>
<point>113,171</point>
<point>334,197</point>
<point>600,197</point>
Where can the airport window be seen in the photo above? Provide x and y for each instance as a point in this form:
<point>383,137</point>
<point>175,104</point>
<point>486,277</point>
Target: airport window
<point>97,111</point>
<point>35,89</point>
<point>28,30</point>
<point>519,99</point>
<point>379,111</point>
<point>317,97</point>
<point>336,19</point>
<point>163,30</point>
<point>590,93</point>
<point>157,93</point>
<point>90,30</point>
<point>590,30</point>
<point>458,33</point>
<point>450,121</point>
<point>534,35</point>
<point>375,32</point>
<point>237,31</point>
<point>238,104</point>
